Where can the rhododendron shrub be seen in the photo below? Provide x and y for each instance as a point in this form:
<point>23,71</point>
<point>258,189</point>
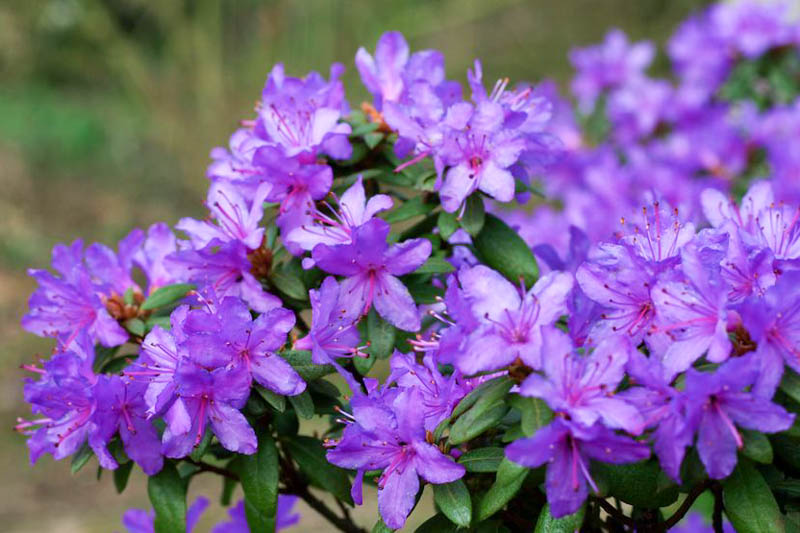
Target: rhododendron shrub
<point>559,314</point>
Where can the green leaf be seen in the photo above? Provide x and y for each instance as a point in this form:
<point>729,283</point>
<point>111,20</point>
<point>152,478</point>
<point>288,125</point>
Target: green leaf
<point>438,523</point>
<point>476,420</point>
<point>80,458</point>
<point>490,390</point>
<point>547,523</point>
<point>641,484</point>
<point>482,459</point>
<point>115,365</point>
<point>435,265</point>
<point>162,321</point>
<point>501,248</point>
<point>309,455</point>
<point>166,295</point>
<point>380,527</point>
<point>790,384</point>
<point>103,354</point>
<point>381,336</point>
<point>258,474</point>
<point>454,501</point>
<point>363,129</point>
<point>510,477</point>
<point>121,476</point>
<point>488,409</point>
<point>276,401</point>
<point>535,413</point>
<point>202,447</point>
<point>756,446</point>
<point>474,215</point>
<point>289,284</point>
<point>749,504</point>
<point>411,208</point>
<point>373,139</point>
<point>447,224</point>
<point>228,486</point>
<point>167,493</point>
<point>303,405</point>
<point>301,362</point>
<point>135,326</point>
<point>364,364</point>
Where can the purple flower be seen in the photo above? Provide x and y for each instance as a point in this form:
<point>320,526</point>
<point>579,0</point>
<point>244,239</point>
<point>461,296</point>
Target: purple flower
<point>333,331</point>
<point>718,403</point>
<point>383,74</point>
<point>336,226</point>
<point>229,336</point>
<point>753,27</point>
<point>64,305</point>
<point>212,397</point>
<point>62,398</point>
<point>609,65</point>
<point>370,266</point>
<point>773,322</point>
<point>284,518</point>
<point>237,218</point>
<point>439,394</point>
<point>662,407</point>
<point>121,408</point>
<point>582,387</point>
<point>226,268</point>
<point>510,321</point>
<point>566,448</point>
<point>300,116</point>
<point>387,432</point>
<point>693,313</point>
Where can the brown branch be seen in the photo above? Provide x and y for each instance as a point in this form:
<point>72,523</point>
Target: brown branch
<point>616,514</point>
<point>696,491</point>
<point>205,467</point>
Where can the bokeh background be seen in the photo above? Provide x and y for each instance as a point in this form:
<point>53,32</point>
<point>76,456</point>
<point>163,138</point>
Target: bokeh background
<point>108,109</point>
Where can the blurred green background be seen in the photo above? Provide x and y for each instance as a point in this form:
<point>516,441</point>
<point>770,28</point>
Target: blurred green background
<point>108,109</point>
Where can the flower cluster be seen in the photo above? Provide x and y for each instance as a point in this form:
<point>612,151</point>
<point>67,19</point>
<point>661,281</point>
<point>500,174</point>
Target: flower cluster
<point>374,271</point>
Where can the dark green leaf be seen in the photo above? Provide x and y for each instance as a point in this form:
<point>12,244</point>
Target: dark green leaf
<point>103,354</point>
<point>510,477</point>
<point>364,364</point>
<point>363,129</point>
<point>790,487</point>
<point>749,504</point>
<point>454,501</point>
<point>121,476</point>
<point>476,420</point>
<point>80,458</point>
<point>534,411</point>
<point>447,224</point>
<point>790,384</point>
<point>641,484</point>
<point>301,362</point>
<point>167,295</point>
<point>258,474</point>
<point>381,335</point>
<point>482,459</point>
<point>438,523</point>
<point>303,405</point>
<point>411,208</point>
<point>202,447</point>
<point>373,139</point>
<point>135,327</point>
<point>309,455</point>
<point>277,401</point>
<point>489,391</point>
<point>167,493</point>
<point>435,265</point>
<point>153,321</point>
<point>115,365</point>
<point>547,523</point>
<point>380,527</point>
<point>501,248</point>
<point>756,446</point>
<point>289,284</point>
<point>474,215</point>
<point>228,486</point>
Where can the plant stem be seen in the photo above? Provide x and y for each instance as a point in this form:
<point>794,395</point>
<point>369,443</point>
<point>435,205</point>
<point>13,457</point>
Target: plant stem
<point>696,491</point>
<point>717,516</point>
<point>205,467</point>
<point>616,514</point>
